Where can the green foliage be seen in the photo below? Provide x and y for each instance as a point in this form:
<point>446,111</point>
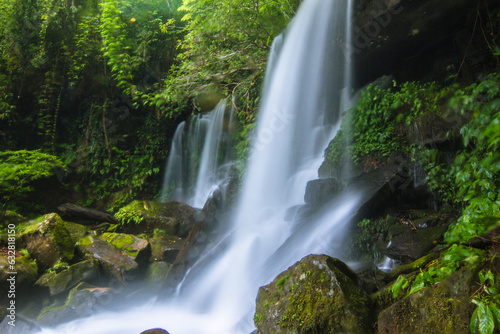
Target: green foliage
<point>471,182</point>
<point>399,286</point>
<point>450,260</point>
<point>127,216</point>
<point>225,50</point>
<point>18,170</point>
<point>486,316</point>
<point>375,127</point>
<point>366,237</point>
<point>76,79</point>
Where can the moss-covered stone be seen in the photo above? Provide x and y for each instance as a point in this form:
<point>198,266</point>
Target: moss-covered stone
<point>114,262</point>
<point>50,239</point>
<point>157,273</point>
<point>65,245</point>
<point>442,308</point>
<point>27,272</point>
<point>409,244</point>
<point>174,218</point>
<point>82,301</point>
<point>319,294</point>
<point>165,248</point>
<point>127,243</point>
<point>83,271</point>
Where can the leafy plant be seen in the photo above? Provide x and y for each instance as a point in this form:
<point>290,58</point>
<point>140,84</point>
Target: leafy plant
<point>127,216</point>
<point>18,170</point>
<point>486,316</point>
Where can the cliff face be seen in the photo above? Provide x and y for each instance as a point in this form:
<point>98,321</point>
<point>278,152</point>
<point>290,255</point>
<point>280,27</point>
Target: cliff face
<point>429,39</point>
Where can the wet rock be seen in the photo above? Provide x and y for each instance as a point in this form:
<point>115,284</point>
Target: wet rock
<point>441,308</point>
<point>83,271</point>
<point>27,272</point>
<point>49,239</point>
<point>410,244</point>
<point>319,192</point>
<point>318,294</point>
<point>173,218</point>
<point>22,325</point>
<point>82,301</point>
<point>155,331</point>
<point>136,248</point>
<point>114,262</point>
<point>165,249</point>
<point>157,273</point>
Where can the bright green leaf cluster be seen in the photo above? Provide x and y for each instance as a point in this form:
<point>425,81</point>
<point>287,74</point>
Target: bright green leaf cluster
<point>18,169</point>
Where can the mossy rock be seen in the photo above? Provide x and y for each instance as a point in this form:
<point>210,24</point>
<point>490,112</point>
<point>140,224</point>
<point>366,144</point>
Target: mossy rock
<point>84,271</point>
<point>127,244</point>
<point>321,191</point>
<point>173,218</point>
<point>115,263</point>
<point>442,308</point>
<point>157,273</point>
<point>165,249</point>
<point>27,273</point>
<point>317,295</point>
<point>50,239</point>
<point>83,300</point>
<point>409,245</point>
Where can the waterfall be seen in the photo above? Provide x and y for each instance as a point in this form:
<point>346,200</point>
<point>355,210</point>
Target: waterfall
<point>306,91</point>
<point>200,157</point>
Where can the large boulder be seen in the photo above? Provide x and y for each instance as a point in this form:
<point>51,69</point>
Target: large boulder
<point>409,244</point>
<point>83,300</point>
<point>165,248</point>
<point>321,191</point>
<point>136,248</point>
<point>317,295</point>
<point>157,273</point>
<point>442,308</point>
<point>113,261</point>
<point>84,271</point>
<point>174,218</point>
<point>50,239</point>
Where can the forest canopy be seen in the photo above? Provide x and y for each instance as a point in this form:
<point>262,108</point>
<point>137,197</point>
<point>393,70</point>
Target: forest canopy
<point>101,85</point>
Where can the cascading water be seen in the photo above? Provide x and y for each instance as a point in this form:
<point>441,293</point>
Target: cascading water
<point>299,115</point>
<point>201,156</point>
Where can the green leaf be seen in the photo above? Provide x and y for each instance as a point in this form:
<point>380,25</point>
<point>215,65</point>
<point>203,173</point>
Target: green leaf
<point>486,322</point>
<point>496,314</point>
<point>474,322</point>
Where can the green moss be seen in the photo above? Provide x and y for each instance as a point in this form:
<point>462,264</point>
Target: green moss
<point>65,244</point>
<point>32,226</point>
<point>257,319</point>
<point>28,266</point>
<point>377,127</point>
<point>122,242</point>
<point>281,282</point>
<point>311,297</point>
<point>86,241</point>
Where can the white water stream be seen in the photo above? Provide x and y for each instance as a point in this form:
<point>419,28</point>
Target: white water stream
<point>300,113</point>
<point>201,156</point>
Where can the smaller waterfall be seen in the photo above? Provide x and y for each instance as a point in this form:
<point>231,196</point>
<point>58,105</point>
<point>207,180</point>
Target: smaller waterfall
<point>201,156</point>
